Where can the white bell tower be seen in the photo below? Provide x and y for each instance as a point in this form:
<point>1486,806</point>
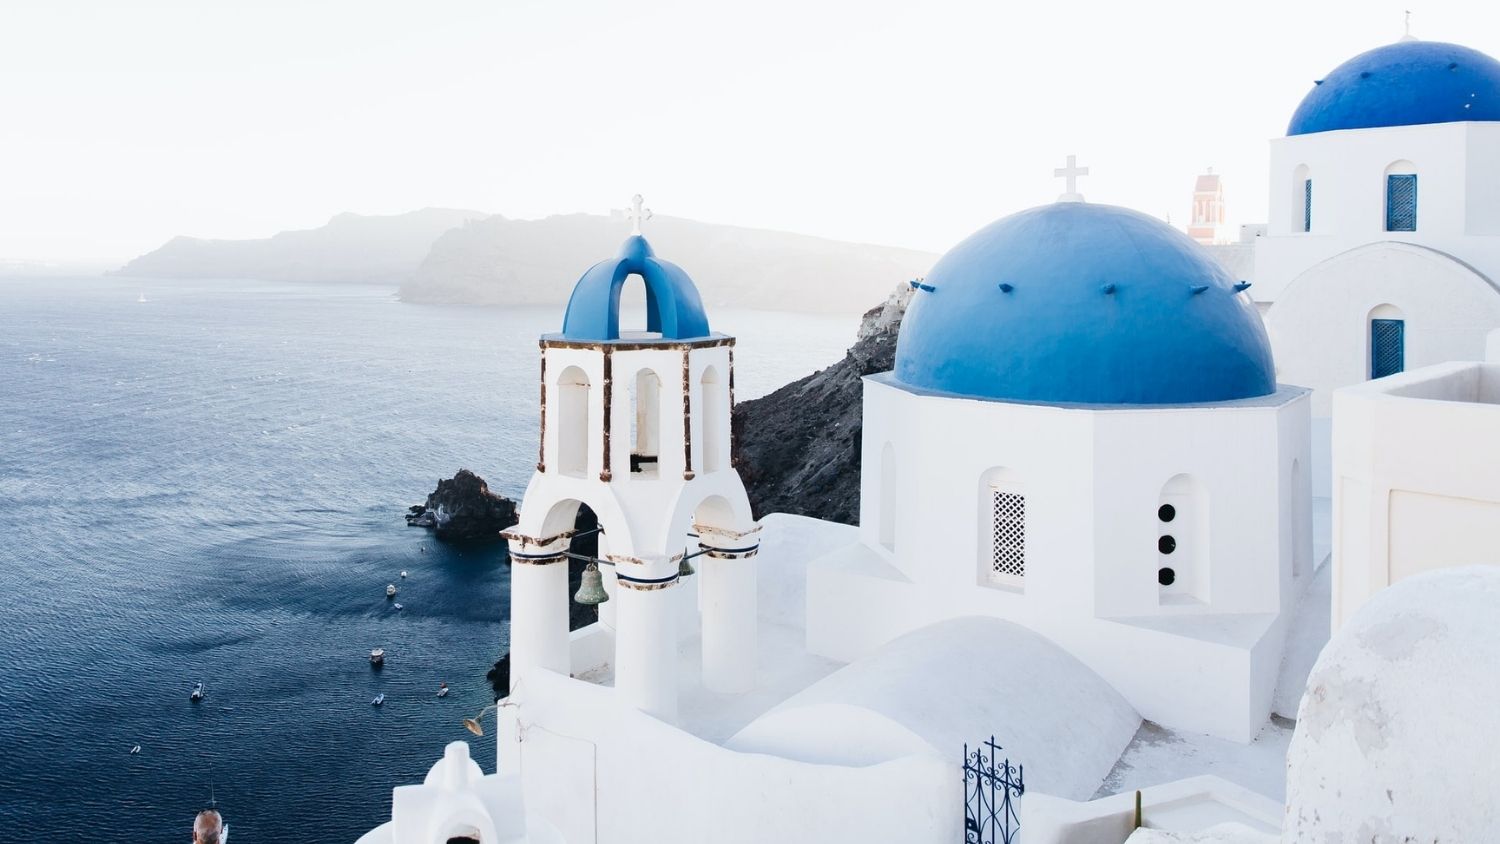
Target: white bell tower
<point>635,425</point>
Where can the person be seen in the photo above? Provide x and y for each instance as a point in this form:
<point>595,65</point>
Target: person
<point>209,828</point>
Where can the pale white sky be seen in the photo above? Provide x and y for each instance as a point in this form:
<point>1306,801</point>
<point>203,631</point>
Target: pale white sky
<point>910,124</point>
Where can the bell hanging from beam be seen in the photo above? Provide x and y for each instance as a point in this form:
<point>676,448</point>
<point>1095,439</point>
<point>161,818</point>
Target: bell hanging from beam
<point>685,568</point>
<point>591,587</point>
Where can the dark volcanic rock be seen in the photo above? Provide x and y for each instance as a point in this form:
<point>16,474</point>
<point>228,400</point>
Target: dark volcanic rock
<point>462,509</point>
<point>798,449</point>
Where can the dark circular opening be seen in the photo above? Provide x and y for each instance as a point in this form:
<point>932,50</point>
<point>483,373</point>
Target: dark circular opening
<point>1166,576</point>
<point>1167,544</point>
<point>1166,512</point>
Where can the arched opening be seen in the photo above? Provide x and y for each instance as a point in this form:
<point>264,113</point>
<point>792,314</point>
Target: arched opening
<point>1302,199</point>
<point>888,481</point>
<point>713,401</point>
<point>573,422</point>
<point>1387,341</point>
<point>1182,541</point>
<point>1002,529</point>
<point>633,309</point>
<point>1401,197</point>
<point>645,422</point>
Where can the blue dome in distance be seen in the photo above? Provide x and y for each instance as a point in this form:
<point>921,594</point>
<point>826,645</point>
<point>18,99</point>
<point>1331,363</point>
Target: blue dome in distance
<point>1076,303</point>
<point>1408,83</point>
<point>673,308</point>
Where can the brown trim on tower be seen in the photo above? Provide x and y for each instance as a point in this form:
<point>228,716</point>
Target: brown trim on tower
<point>658,345</point>
<point>609,390</point>
<point>687,416</point>
<point>541,446</point>
<point>731,380</point>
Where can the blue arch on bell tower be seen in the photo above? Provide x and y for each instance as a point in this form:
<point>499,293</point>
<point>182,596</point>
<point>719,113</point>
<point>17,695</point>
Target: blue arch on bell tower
<point>673,307</point>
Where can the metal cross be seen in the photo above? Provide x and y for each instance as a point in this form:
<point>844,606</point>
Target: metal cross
<point>1071,173</point>
<point>637,215</point>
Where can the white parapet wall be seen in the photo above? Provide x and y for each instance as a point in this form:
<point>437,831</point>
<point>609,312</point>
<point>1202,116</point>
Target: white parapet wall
<point>1416,478</point>
<point>591,765</point>
<point>1192,805</point>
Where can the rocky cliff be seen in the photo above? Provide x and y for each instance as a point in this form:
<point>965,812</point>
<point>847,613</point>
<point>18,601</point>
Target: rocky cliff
<point>798,449</point>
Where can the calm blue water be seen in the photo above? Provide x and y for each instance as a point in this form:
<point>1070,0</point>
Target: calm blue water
<point>209,486</point>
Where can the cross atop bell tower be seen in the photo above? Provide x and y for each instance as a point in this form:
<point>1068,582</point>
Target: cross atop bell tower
<point>637,215</point>
<point>1071,174</point>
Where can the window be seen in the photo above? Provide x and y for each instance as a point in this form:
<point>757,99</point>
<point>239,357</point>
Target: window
<point>1387,347</point>
<point>1401,202</point>
<point>1302,199</point>
<point>1307,205</point>
<point>1182,542</point>
<point>1008,539</point>
<point>573,422</point>
<point>713,418</point>
<point>645,422</point>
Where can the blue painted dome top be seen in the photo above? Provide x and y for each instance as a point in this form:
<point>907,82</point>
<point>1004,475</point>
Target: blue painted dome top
<point>673,308</point>
<point>1408,83</point>
<point>1076,303</point>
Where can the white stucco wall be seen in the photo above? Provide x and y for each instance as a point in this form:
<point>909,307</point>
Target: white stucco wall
<point>1417,477</point>
<point>1093,480</point>
<point>1320,326</point>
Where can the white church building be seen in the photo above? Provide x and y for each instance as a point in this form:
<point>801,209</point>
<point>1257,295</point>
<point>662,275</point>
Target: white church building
<point>1093,528</point>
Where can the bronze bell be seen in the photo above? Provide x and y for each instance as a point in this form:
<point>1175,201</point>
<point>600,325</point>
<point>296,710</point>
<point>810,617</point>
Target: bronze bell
<point>685,568</point>
<point>591,587</point>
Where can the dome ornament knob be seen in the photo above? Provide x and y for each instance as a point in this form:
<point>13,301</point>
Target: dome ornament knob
<point>1406,33</point>
<point>1071,174</point>
<point>637,215</point>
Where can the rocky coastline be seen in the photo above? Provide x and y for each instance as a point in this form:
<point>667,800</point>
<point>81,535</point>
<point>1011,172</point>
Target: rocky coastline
<point>462,509</point>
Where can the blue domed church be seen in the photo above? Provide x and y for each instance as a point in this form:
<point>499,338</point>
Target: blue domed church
<point>1083,434</point>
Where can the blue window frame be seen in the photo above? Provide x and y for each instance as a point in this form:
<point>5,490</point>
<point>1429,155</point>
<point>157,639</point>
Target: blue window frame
<point>1401,203</point>
<point>1387,347</point>
<point>1307,205</point>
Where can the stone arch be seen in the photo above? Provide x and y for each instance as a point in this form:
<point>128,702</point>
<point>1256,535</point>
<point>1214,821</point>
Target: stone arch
<point>560,515</point>
<point>715,505</point>
<point>1319,326</point>
<point>573,413</point>
<point>889,480</point>
<point>1182,541</point>
<point>1301,196</point>
<point>1002,513</point>
<point>714,434</point>
<point>645,421</point>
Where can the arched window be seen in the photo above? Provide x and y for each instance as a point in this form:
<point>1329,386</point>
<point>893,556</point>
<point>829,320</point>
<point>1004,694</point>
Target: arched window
<point>713,401</point>
<point>888,481</point>
<point>1401,197</point>
<point>1302,199</point>
<point>1387,341</point>
<point>633,310</point>
<point>1182,541</point>
<point>573,422</point>
<point>645,422</point>
<point>1002,523</point>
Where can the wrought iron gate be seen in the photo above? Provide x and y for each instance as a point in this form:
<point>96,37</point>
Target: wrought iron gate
<point>992,790</point>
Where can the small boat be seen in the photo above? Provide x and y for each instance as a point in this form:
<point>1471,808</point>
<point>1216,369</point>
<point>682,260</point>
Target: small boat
<point>390,590</point>
<point>141,298</point>
<point>442,690</point>
<point>379,699</point>
<point>377,656</point>
<point>398,605</point>
<point>135,750</point>
<point>403,574</point>
<point>197,693</point>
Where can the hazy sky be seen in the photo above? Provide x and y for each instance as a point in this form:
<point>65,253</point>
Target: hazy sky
<point>123,124</point>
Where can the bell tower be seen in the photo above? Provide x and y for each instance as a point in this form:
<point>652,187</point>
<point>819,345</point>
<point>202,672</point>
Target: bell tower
<point>635,425</point>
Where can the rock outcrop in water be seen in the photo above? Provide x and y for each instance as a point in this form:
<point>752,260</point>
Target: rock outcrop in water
<point>798,449</point>
<point>462,509</point>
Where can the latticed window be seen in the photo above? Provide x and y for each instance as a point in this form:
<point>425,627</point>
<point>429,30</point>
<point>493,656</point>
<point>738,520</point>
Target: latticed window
<point>1387,347</point>
<point>1008,539</point>
<point>1401,203</point>
<point>1307,205</point>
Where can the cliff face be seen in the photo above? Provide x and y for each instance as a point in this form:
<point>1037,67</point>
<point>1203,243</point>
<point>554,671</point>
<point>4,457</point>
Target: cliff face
<point>508,262</point>
<point>798,449</point>
<point>349,248</point>
<point>462,509</point>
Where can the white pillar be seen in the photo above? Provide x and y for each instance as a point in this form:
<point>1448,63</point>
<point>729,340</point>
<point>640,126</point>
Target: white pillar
<point>646,636</point>
<point>728,599</point>
<point>538,612</point>
<point>607,575</point>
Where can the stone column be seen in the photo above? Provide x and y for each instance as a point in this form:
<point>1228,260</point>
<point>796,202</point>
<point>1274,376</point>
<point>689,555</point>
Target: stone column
<point>646,634</point>
<point>538,610</point>
<point>730,612</point>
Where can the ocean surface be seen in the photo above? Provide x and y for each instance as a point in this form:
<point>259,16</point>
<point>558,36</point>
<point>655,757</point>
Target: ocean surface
<point>209,486</point>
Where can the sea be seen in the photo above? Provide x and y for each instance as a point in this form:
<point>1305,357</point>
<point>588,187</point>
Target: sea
<point>204,481</point>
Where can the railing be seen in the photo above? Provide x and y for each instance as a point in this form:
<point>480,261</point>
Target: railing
<point>992,790</point>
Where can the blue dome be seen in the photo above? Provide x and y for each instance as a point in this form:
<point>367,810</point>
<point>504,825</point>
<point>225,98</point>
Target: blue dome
<point>673,307</point>
<point>1409,83</point>
<point>1075,303</point>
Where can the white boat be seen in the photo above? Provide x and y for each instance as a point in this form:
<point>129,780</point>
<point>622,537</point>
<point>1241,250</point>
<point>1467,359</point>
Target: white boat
<point>398,605</point>
<point>135,750</point>
<point>403,574</point>
<point>443,690</point>
<point>390,590</point>
<point>197,693</point>
<point>379,699</point>
<point>377,656</point>
<point>141,298</point>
